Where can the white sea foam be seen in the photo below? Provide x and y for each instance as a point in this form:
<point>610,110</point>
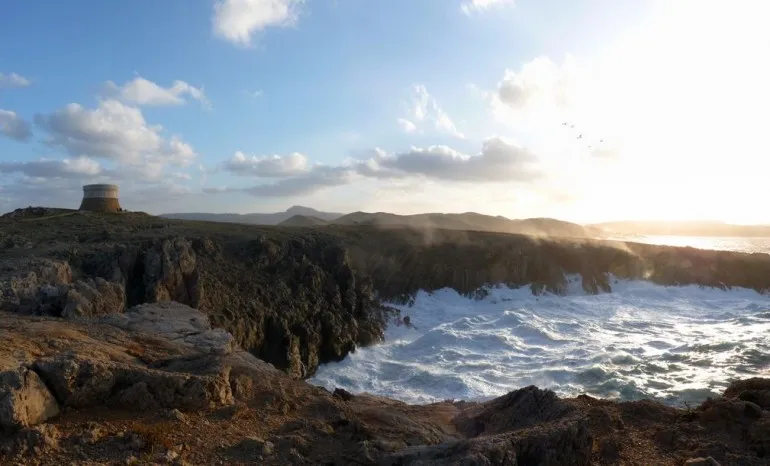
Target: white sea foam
<point>676,344</point>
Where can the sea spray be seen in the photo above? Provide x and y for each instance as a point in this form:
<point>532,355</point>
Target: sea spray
<point>676,344</point>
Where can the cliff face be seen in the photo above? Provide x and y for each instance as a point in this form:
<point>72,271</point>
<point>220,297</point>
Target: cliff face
<point>295,302</point>
<point>300,297</point>
<point>403,261</point>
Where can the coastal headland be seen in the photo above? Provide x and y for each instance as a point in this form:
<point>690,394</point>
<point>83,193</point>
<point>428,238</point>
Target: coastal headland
<point>139,339</point>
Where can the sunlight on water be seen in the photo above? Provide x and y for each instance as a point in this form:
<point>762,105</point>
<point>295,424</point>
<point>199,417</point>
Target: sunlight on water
<point>677,344</point>
<point>749,245</point>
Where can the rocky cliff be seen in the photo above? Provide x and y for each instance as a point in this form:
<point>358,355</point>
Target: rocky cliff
<point>301,297</point>
<point>157,384</point>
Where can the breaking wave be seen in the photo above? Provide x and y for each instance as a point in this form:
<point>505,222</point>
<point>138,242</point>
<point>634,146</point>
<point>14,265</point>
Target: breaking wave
<point>676,344</point>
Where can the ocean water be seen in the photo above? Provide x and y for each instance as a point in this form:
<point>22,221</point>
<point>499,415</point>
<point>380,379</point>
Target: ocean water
<point>724,243</point>
<point>675,344</point>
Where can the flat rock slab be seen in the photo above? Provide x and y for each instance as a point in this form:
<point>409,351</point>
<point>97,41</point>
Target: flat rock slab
<point>176,322</point>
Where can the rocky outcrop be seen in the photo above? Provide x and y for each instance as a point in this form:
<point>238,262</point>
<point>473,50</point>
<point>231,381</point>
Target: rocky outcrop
<point>24,400</point>
<point>298,298</point>
<point>177,323</point>
<point>79,381</point>
<point>158,384</point>
<point>48,287</point>
<point>528,426</point>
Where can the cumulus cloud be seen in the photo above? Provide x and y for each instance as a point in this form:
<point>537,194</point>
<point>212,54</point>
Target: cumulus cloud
<point>540,84</point>
<point>274,166</point>
<point>423,109</point>
<point>13,80</point>
<point>498,162</point>
<point>13,126</point>
<point>238,20</point>
<point>472,6</point>
<point>113,131</point>
<point>142,91</point>
<point>79,167</point>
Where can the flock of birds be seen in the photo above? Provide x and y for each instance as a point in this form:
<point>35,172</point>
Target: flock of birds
<point>580,134</point>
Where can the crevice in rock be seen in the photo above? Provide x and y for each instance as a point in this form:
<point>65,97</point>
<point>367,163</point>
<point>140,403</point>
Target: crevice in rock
<point>136,292</point>
<point>46,382</point>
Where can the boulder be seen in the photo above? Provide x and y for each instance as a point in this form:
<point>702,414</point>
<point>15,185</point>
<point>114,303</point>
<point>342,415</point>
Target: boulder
<point>24,400</point>
<point>755,390</point>
<point>176,322</point>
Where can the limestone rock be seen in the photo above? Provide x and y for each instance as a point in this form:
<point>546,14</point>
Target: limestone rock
<point>37,440</point>
<point>708,461</point>
<point>171,273</point>
<point>20,284</point>
<point>755,390</point>
<point>80,382</point>
<point>94,297</point>
<point>176,322</point>
<point>24,400</point>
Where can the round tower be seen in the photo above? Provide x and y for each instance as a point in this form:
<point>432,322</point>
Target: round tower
<point>100,198</point>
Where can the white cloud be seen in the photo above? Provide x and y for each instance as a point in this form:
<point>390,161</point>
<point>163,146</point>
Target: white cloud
<point>80,167</point>
<point>181,176</point>
<point>141,91</point>
<point>472,6</point>
<point>238,20</point>
<point>13,80</point>
<point>274,166</point>
<point>498,162</point>
<point>13,126</point>
<point>113,131</point>
<point>423,109</point>
<point>540,86</point>
<point>407,125</point>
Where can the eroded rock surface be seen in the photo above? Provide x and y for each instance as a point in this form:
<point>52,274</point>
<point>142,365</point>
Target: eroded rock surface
<point>152,386</point>
<point>24,400</point>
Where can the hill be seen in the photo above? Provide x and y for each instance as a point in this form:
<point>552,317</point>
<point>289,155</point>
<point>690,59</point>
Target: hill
<point>255,218</point>
<point>303,221</point>
<point>471,221</point>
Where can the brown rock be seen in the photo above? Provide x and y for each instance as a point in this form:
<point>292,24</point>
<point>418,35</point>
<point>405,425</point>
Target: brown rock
<point>708,461</point>
<point>24,400</point>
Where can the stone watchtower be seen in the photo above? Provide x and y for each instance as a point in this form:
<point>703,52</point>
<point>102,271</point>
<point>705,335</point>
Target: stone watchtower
<point>100,198</point>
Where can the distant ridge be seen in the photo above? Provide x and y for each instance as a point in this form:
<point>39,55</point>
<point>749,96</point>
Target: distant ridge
<point>473,221</point>
<point>305,216</point>
<point>256,218</point>
<point>303,221</point>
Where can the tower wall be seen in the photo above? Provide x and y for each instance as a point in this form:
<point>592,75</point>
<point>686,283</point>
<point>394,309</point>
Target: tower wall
<point>100,198</point>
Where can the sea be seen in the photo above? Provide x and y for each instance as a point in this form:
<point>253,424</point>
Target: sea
<point>676,344</point>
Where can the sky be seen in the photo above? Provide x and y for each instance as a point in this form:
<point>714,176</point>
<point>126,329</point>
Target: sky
<point>583,110</point>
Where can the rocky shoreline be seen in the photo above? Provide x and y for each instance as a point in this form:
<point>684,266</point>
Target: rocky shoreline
<point>141,336</point>
<point>158,385</point>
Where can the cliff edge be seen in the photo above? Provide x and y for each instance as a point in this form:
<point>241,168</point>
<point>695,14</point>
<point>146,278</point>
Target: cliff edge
<point>299,297</point>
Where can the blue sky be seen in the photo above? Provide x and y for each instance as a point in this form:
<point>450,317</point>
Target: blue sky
<point>342,105</point>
